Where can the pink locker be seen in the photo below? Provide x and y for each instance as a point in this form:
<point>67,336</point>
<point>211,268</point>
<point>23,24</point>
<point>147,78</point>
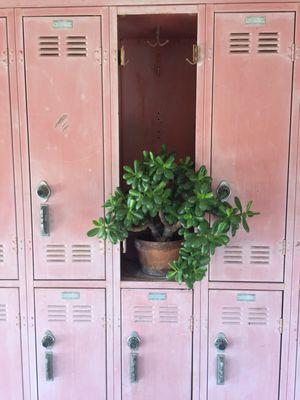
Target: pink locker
<point>10,345</point>
<point>156,344</point>
<point>244,344</point>
<point>71,343</point>
<point>63,69</point>
<point>250,136</point>
<point>8,251</point>
<point>297,389</point>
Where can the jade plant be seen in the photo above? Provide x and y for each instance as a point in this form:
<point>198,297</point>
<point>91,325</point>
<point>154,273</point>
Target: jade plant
<point>173,200</point>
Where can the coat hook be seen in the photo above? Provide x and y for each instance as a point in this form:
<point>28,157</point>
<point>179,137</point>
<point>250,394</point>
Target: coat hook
<point>196,55</point>
<point>158,42</point>
<point>123,61</point>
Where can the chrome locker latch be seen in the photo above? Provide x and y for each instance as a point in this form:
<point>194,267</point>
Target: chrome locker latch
<point>220,369</point>
<point>43,192</point>
<point>221,344</point>
<point>48,341</point>
<point>133,342</point>
<point>44,220</point>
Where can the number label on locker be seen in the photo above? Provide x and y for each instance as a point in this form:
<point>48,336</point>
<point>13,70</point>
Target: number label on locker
<point>70,342</point>
<point>65,132</point>
<point>157,344</point>
<point>250,136</point>
<point>244,344</point>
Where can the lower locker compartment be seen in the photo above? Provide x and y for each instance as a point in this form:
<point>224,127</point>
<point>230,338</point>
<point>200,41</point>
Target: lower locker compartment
<point>156,344</point>
<point>244,344</point>
<point>71,344</point>
<point>10,345</point>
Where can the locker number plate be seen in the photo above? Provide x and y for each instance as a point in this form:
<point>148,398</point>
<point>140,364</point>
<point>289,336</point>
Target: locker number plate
<point>157,296</point>
<point>246,297</point>
<point>62,24</point>
<point>255,20</point>
<point>70,295</point>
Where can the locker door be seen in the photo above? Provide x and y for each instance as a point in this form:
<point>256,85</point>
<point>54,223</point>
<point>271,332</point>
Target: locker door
<point>250,322</point>
<point>65,128</point>
<point>8,252</point>
<point>161,365</point>
<point>10,346</point>
<point>74,366</point>
<point>250,135</point>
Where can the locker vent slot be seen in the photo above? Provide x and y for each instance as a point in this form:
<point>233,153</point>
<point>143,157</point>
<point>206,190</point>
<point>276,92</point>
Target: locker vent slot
<point>260,255</point>
<point>1,253</point>
<point>169,314</point>
<point>143,314</point>
<point>57,313</point>
<point>3,313</point>
<point>239,43</point>
<point>49,46</point>
<point>81,253</point>
<point>56,253</point>
<point>257,316</point>
<point>268,42</point>
<point>82,313</point>
<point>76,46</point>
<point>233,255</point>
<point>231,315</point>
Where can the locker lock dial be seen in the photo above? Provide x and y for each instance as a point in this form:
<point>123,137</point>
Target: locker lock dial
<point>221,342</point>
<point>48,340</point>
<point>223,191</point>
<point>43,191</point>
<point>133,341</point>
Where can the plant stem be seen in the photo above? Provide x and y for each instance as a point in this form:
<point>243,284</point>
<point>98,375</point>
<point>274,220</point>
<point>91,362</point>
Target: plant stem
<point>169,230</point>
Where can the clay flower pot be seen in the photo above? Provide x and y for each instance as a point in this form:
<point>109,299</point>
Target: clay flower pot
<point>155,257</point>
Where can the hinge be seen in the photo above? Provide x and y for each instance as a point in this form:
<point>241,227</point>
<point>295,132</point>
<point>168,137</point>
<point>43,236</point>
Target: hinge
<point>281,326</point>
<point>99,55</point>
<point>283,247</point>
<point>191,323</point>
<point>295,52</point>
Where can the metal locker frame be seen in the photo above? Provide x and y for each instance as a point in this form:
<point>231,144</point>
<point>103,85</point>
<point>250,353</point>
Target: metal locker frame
<point>292,273</point>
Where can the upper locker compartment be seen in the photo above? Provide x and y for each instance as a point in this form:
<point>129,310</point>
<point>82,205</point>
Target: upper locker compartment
<point>65,127</point>
<point>8,250</point>
<point>250,136</point>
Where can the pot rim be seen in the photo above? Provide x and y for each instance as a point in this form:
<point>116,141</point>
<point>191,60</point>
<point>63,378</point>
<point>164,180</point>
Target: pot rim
<point>140,243</point>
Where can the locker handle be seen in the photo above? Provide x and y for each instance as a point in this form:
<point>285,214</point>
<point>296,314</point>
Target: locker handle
<point>133,342</point>
<point>220,369</point>
<point>48,341</point>
<point>44,220</point>
<point>133,367</point>
<point>49,365</point>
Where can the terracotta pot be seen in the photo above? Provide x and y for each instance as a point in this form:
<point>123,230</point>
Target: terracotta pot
<point>155,257</point>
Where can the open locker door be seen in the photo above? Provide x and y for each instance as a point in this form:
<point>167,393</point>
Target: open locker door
<point>8,236</point>
<point>252,86</point>
<point>63,70</point>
